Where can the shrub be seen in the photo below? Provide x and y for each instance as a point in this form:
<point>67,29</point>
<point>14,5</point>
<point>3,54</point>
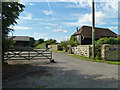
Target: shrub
<point>101,41</point>
<point>64,45</point>
<point>73,41</point>
<point>60,47</point>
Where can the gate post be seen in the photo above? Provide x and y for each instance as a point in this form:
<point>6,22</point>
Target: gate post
<point>51,60</point>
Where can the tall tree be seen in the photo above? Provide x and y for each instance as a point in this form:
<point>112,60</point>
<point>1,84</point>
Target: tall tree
<point>40,41</point>
<point>51,41</point>
<point>10,12</point>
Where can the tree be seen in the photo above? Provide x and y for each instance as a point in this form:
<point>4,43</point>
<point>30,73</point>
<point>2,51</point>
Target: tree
<point>32,42</point>
<point>51,41</point>
<point>40,41</point>
<point>73,41</point>
<point>64,45</point>
<point>10,12</point>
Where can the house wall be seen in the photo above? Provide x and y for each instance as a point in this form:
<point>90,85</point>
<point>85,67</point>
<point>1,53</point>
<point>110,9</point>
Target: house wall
<point>86,41</point>
<point>21,44</point>
<point>79,39</point>
<point>82,50</point>
<point>54,47</point>
<point>110,52</point>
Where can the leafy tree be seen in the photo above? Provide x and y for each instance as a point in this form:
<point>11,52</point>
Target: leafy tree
<point>40,41</point>
<point>10,12</point>
<point>32,41</point>
<point>64,45</point>
<point>51,41</point>
<point>73,41</point>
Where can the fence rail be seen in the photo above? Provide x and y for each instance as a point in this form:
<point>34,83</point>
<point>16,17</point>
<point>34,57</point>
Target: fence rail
<point>28,54</point>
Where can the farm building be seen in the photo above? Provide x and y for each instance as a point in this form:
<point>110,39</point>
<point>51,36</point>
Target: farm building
<point>21,41</point>
<point>84,34</point>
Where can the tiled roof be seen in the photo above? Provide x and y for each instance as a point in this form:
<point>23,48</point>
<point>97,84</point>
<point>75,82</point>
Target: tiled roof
<point>20,38</point>
<point>86,31</point>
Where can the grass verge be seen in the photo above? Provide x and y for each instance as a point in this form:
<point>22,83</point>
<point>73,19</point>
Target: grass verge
<point>59,51</point>
<point>103,61</point>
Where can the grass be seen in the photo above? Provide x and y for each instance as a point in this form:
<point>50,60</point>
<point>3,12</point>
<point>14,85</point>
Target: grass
<point>59,51</point>
<point>39,49</point>
<point>103,61</point>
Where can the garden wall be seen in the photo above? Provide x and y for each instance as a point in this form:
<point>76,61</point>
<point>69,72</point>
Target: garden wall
<point>54,47</point>
<point>82,50</point>
<point>110,52</point>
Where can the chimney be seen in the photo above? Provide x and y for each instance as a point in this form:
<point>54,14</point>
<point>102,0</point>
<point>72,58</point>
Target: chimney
<point>77,28</point>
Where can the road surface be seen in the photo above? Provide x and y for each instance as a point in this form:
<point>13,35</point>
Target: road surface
<point>68,72</point>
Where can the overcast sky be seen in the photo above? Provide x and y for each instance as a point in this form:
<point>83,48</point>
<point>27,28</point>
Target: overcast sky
<point>58,20</point>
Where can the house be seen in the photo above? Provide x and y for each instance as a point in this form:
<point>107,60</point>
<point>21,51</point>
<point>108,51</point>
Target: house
<point>20,41</point>
<point>84,34</point>
<point>118,36</point>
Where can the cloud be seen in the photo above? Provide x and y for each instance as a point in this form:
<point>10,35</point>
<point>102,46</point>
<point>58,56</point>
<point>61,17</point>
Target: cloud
<point>60,30</point>
<point>28,16</point>
<point>110,7</point>
<point>31,4</point>
<point>50,24</point>
<point>80,4</point>
<point>113,28</point>
<point>48,27</point>
<point>20,27</point>
<point>59,26</point>
<point>86,19</point>
<point>40,34</point>
<point>48,12</point>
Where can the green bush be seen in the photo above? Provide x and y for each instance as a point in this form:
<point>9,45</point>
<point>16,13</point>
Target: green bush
<point>73,41</point>
<point>101,41</point>
<point>64,46</point>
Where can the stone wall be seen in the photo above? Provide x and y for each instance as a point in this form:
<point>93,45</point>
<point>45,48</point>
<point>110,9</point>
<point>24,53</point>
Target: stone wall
<point>110,52</point>
<point>82,50</point>
<point>54,47</point>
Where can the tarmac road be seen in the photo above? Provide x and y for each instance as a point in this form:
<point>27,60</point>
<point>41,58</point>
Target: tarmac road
<point>68,72</point>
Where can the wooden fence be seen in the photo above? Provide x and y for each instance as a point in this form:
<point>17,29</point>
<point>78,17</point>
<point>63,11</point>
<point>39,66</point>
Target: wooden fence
<point>28,54</point>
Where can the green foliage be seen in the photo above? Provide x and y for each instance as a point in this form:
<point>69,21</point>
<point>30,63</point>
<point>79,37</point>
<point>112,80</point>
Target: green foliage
<point>50,41</point>
<point>32,42</point>
<point>40,41</point>
<point>110,40</point>
<point>10,12</point>
<point>41,46</point>
<point>73,41</point>
<point>101,41</point>
<point>9,43</point>
<point>63,46</point>
<point>35,44</point>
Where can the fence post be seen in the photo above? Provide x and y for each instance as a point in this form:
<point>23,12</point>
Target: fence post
<point>51,59</point>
